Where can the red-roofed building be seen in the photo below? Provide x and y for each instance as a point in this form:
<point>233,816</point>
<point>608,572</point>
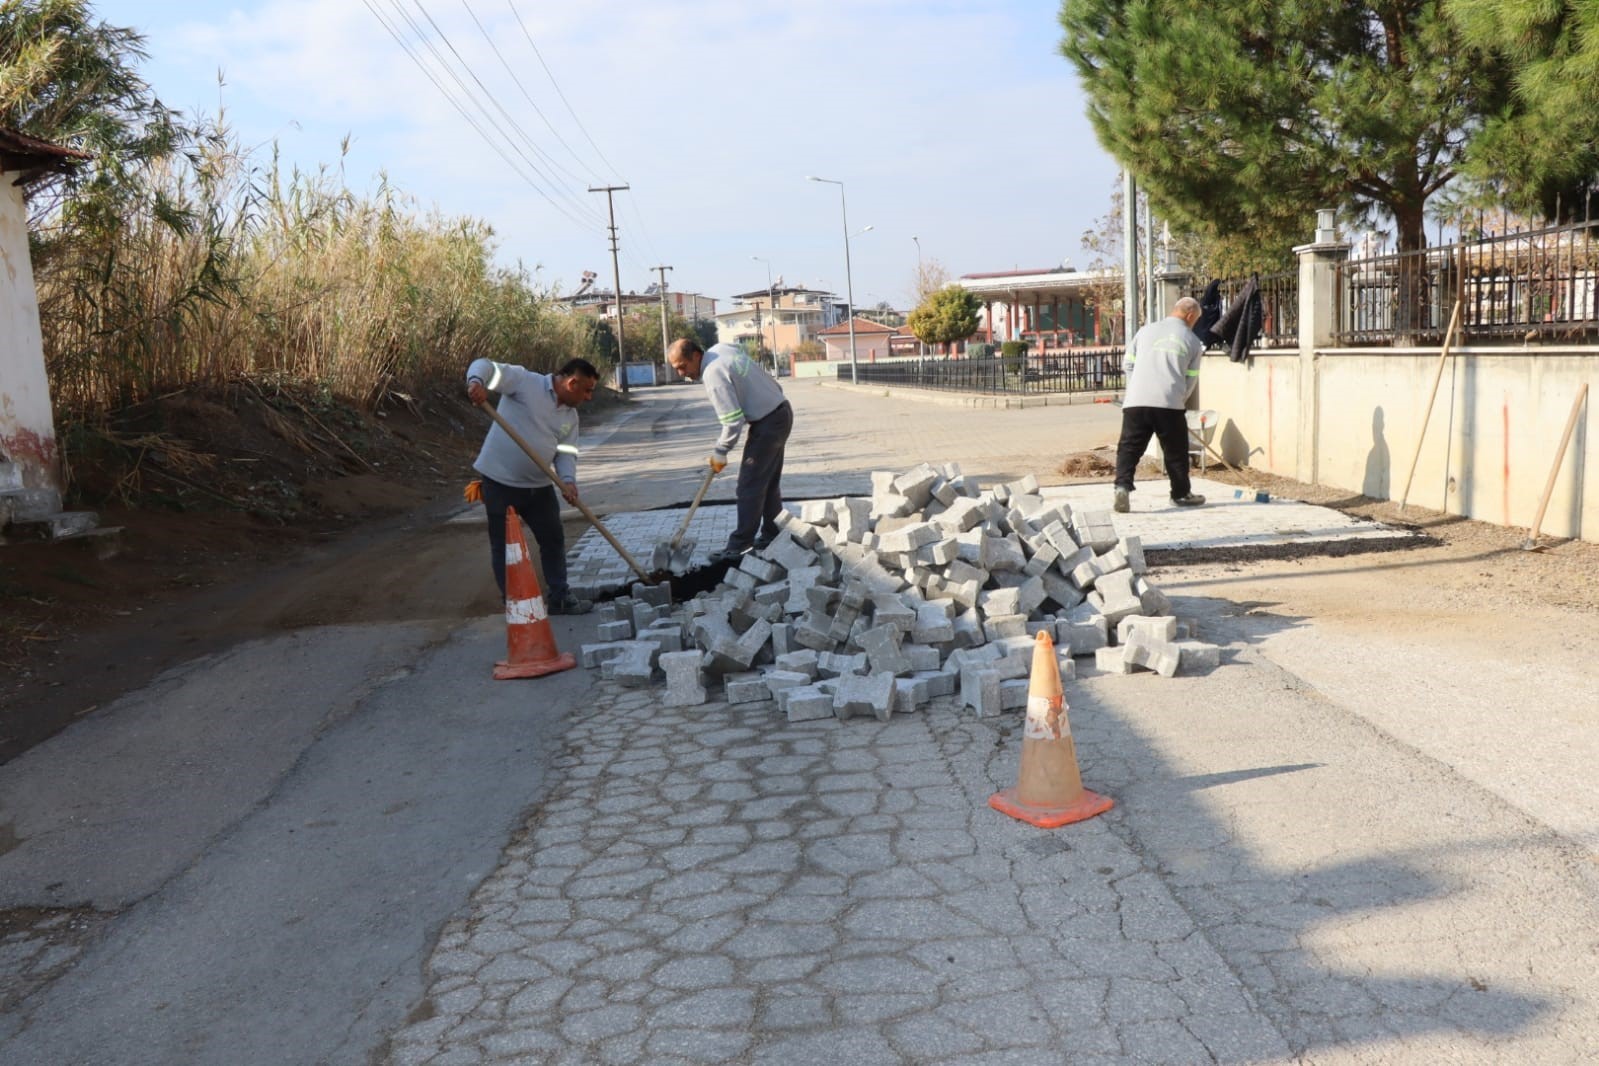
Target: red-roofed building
<point>1053,309</point>
<point>872,341</point>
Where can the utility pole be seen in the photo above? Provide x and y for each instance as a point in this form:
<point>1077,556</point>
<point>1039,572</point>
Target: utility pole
<point>1129,256</point>
<point>616,275</point>
<point>1150,309</point>
<point>662,270</point>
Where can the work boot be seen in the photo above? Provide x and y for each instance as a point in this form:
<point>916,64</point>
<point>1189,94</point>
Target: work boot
<point>1123,502</point>
<point>1191,500</point>
<point>765,540</point>
<point>569,604</point>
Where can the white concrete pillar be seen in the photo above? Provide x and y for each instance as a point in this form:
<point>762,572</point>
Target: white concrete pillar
<point>1318,322</point>
<point>27,423</point>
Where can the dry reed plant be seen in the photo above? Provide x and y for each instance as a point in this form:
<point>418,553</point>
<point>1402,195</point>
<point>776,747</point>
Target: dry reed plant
<point>220,269</point>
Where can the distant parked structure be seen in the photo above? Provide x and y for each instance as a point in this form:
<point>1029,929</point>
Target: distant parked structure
<point>1055,308</point>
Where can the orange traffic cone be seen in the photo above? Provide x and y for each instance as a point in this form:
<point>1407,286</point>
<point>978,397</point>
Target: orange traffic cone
<point>530,642</point>
<point>1049,791</point>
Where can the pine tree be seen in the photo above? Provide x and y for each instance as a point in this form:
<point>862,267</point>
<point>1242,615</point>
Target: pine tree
<point>1540,155</point>
<point>1244,118</point>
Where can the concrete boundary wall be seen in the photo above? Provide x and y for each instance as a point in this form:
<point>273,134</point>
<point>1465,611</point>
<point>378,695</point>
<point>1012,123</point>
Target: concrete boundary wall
<point>1489,444</point>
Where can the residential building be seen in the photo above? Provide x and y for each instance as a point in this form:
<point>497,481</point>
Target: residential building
<point>800,314</point>
<point>872,341</point>
<point>601,303</point>
<point>1055,308</point>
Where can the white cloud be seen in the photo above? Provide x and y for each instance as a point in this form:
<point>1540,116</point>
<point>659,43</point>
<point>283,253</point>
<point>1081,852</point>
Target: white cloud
<point>956,121</point>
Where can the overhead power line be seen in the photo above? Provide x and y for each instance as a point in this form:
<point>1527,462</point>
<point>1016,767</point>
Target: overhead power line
<point>559,187</point>
<point>558,92</point>
<point>497,144</point>
<point>528,96</point>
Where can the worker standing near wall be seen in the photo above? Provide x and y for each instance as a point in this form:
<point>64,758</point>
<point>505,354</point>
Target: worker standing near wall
<point>1162,366</point>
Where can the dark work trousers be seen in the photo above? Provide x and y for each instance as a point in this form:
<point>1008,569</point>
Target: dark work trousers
<point>760,476</point>
<point>541,510</point>
<point>1171,429</point>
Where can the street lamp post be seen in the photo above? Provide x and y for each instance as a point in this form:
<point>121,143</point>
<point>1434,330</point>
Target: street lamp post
<point>849,280</point>
<point>918,293</point>
<point>770,306</point>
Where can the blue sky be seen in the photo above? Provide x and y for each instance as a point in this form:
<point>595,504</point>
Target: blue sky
<point>955,121</point>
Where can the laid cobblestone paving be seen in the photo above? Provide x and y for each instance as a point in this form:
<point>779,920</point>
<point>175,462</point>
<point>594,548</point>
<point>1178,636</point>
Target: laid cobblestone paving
<point>718,886</point>
<point>594,567</point>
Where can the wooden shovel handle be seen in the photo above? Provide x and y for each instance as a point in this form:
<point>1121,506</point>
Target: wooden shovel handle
<point>556,480</point>
<point>695,506</point>
<point>1554,470</point>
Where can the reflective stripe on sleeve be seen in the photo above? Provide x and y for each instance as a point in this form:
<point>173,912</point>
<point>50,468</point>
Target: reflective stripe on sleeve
<point>731,417</point>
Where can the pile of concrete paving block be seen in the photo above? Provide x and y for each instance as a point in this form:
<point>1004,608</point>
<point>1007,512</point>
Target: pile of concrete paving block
<point>878,605</point>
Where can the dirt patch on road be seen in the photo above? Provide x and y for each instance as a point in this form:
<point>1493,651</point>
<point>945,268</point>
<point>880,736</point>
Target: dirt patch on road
<point>243,514</point>
<point>1089,465</point>
<point>1460,561</point>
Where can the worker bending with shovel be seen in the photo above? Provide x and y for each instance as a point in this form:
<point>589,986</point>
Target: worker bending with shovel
<point>742,391</point>
<point>1162,367</point>
<point>542,408</point>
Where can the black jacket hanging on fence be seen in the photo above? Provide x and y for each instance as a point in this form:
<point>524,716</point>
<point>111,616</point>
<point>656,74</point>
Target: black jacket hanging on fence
<point>1240,327</point>
<point>1209,314</point>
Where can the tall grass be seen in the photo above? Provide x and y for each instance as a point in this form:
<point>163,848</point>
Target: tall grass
<point>219,266</point>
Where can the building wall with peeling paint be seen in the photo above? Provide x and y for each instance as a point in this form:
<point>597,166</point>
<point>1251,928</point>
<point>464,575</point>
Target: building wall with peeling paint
<point>27,424</point>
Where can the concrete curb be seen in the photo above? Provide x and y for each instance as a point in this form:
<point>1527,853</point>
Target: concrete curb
<point>945,399</point>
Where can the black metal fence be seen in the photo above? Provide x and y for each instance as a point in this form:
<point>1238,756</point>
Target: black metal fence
<point>1533,285</point>
<point>1279,300</point>
<point>1091,370</point>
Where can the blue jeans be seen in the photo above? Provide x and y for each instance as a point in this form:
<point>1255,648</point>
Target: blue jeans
<point>541,510</point>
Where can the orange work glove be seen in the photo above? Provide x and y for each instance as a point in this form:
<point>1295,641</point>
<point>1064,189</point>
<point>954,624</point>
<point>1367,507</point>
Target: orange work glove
<point>718,465</point>
<point>474,491</point>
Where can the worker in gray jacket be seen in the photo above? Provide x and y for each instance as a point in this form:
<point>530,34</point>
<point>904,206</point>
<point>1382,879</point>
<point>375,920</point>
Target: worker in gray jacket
<point>741,391</point>
<point>1162,365</point>
<point>542,408</point>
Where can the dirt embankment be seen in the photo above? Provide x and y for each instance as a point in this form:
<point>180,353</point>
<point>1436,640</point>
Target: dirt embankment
<point>243,513</point>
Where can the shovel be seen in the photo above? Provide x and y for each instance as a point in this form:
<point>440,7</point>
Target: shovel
<point>555,480</point>
<point>675,554</point>
<point>1260,495</point>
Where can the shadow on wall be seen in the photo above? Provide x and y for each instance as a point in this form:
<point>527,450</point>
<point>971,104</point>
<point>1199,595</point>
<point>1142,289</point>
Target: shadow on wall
<point>1379,466</point>
<point>1232,444</point>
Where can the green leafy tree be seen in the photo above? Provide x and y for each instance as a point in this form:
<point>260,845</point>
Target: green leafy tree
<point>705,332</point>
<point>67,77</point>
<point>1539,154</point>
<point>1242,119</point>
<point>644,334</point>
<point>946,316</point>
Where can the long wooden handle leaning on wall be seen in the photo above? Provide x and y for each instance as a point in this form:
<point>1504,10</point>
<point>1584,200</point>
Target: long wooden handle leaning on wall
<point>1554,471</point>
<point>1443,357</point>
<point>555,480</point>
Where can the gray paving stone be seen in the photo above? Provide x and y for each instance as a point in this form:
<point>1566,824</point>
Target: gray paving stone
<point>695,973</point>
